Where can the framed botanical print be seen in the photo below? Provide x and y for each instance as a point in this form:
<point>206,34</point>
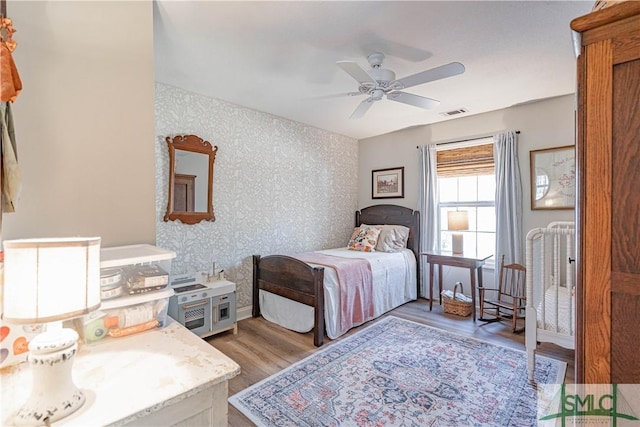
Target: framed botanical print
<point>553,178</point>
<point>387,183</point>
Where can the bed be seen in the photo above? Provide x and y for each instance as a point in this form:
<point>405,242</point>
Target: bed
<point>305,295</point>
<point>551,304</point>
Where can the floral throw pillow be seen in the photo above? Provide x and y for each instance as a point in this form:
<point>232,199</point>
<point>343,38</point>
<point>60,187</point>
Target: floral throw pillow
<point>364,239</point>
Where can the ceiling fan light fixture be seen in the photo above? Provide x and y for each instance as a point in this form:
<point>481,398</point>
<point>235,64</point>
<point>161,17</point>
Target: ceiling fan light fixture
<point>377,94</point>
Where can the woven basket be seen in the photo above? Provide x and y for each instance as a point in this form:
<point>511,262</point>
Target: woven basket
<point>459,308</point>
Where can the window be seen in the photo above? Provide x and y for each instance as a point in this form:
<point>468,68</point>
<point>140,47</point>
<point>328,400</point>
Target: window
<point>466,181</point>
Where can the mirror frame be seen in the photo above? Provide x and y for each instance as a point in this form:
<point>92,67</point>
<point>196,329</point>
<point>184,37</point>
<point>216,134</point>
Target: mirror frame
<point>194,144</point>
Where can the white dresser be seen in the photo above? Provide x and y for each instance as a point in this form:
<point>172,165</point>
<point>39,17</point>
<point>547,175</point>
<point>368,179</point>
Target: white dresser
<point>160,377</point>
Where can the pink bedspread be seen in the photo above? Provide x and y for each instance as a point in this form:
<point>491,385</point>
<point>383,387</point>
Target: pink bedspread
<point>356,286</point>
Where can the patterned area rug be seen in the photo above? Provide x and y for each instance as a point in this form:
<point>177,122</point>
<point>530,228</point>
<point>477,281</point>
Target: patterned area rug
<point>401,373</point>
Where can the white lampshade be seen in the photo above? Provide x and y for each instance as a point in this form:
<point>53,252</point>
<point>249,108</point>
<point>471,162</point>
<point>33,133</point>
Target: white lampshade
<point>51,279</point>
<point>457,220</point>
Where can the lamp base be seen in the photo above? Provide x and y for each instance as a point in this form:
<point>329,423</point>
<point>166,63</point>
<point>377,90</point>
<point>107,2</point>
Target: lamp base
<point>53,394</point>
<point>457,245</point>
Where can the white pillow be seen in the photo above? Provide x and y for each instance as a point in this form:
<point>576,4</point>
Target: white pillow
<point>392,237</point>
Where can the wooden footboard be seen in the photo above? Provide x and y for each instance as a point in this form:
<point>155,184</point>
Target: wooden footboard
<point>293,279</point>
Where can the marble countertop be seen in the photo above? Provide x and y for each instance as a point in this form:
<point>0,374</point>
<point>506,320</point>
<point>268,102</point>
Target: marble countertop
<point>127,378</point>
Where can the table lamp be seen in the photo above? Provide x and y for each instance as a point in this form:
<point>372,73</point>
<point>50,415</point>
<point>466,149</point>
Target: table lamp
<point>50,280</point>
<point>457,221</point>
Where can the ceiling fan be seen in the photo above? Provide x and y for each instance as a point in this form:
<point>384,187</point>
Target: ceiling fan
<point>379,82</point>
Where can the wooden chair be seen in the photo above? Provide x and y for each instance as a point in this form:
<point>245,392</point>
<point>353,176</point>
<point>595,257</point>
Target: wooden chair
<point>510,296</point>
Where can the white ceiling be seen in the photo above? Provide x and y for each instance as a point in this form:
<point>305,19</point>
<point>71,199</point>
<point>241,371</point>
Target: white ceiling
<point>279,57</point>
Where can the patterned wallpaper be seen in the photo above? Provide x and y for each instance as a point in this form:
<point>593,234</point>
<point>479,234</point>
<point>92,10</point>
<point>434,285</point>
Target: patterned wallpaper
<point>279,186</point>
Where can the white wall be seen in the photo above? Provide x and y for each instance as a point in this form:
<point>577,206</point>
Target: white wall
<point>279,186</point>
<point>543,124</point>
<point>84,121</point>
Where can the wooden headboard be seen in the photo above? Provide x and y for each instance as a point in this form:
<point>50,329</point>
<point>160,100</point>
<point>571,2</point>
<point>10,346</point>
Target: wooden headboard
<point>395,215</point>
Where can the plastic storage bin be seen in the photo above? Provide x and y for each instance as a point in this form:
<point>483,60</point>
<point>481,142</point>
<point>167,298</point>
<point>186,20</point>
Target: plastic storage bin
<point>127,315</point>
<point>135,294</point>
<point>134,269</point>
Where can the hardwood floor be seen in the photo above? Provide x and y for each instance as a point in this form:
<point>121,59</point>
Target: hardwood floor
<point>262,348</point>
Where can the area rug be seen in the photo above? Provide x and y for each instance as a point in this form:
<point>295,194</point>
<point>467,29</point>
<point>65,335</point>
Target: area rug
<point>401,373</point>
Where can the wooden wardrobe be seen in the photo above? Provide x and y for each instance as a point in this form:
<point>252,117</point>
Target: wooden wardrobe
<point>608,205</point>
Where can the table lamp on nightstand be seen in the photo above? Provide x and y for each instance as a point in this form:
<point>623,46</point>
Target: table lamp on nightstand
<point>457,221</point>
<point>51,280</point>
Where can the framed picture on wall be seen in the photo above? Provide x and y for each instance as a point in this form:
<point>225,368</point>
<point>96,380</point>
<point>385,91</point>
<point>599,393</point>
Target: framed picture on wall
<point>387,183</point>
<point>553,178</point>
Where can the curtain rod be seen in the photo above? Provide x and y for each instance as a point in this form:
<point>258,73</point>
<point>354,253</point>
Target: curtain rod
<point>466,140</point>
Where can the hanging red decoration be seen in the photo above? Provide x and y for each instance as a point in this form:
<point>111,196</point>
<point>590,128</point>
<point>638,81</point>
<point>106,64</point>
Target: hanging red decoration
<point>10,83</point>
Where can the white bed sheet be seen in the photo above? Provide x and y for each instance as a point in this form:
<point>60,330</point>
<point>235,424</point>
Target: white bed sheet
<point>394,283</point>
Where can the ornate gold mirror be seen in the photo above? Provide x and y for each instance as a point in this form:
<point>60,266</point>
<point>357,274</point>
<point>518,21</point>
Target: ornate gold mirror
<point>190,196</point>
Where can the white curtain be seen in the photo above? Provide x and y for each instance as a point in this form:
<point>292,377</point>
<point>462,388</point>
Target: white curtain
<point>428,207</point>
<point>508,199</point>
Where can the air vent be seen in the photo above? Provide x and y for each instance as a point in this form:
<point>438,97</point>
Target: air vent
<point>455,112</point>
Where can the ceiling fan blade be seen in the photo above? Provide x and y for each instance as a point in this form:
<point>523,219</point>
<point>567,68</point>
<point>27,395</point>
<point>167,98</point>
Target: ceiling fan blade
<point>355,71</point>
<point>437,73</point>
<point>362,108</point>
<point>338,95</point>
<point>411,99</point>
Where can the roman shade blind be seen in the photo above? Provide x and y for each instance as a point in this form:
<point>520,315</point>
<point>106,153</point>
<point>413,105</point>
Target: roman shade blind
<point>474,160</point>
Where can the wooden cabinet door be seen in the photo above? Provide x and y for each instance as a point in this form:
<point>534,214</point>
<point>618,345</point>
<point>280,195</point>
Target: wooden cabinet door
<point>608,150</point>
<point>625,223</point>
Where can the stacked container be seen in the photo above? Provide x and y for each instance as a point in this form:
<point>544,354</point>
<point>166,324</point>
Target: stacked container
<point>134,282</point>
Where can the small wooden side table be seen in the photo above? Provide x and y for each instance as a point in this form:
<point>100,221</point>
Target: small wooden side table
<point>472,261</point>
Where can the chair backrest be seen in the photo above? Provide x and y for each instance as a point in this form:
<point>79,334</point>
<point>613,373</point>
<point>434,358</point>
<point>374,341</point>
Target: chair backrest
<point>512,280</point>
